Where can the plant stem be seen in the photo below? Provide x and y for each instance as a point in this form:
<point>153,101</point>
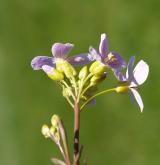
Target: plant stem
<point>100,93</point>
<point>76,131</point>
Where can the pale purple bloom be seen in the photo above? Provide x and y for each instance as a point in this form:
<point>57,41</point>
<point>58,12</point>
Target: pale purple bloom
<point>60,51</point>
<point>135,78</point>
<point>47,69</point>
<point>112,59</point>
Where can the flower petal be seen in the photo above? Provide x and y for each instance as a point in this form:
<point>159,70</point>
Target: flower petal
<point>39,61</point>
<point>80,59</point>
<point>137,98</point>
<point>115,61</point>
<point>140,73</point>
<point>129,72</point>
<point>60,50</point>
<point>94,54</point>
<point>103,46</point>
<point>47,69</point>
<point>119,75</point>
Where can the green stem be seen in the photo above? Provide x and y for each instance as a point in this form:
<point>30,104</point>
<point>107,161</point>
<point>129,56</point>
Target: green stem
<point>81,87</point>
<point>73,81</point>
<point>69,101</point>
<point>67,86</point>
<point>100,93</point>
<point>85,89</point>
<point>64,140</point>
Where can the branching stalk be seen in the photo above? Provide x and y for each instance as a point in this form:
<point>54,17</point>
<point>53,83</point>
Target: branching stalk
<point>100,93</point>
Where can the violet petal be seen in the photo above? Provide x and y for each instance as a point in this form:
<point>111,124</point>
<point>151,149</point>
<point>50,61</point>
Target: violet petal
<point>103,46</point>
<point>140,73</point>
<point>116,61</point>
<point>47,69</point>
<point>119,75</point>
<point>60,50</point>
<point>138,98</point>
<point>129,72</point>
<point>94,54</point>
<point>80,59</point>
<point>39,61</point>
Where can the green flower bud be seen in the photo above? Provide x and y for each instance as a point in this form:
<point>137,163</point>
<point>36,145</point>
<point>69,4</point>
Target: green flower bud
<point>98,68</point>
<point>93,66</point>
<point>83,73</point>
<point>122,89</point>
<point>66,68</point>
<point>66,92</point>
<point>70,71</point>
<point>53,73</point>
<point>55,133</point>
<point>96,79</point>
<point>45,131</point>
<point>54,120</point>
<point>56,75</point>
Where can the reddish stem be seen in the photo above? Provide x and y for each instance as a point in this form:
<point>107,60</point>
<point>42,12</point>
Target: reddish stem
<point>76,131</point>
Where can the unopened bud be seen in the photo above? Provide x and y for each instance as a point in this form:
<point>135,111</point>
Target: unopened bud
<point>96,79</point>
<point>45,131</point>
<point>98,68</point>
<point>66,92</point>
<point>54,120</point>
<point>55,133</point>
<point>93,66</point>
<point>83,73</point>
<point>53,73</point>
<point>122,89</point>
<point>64,67</point>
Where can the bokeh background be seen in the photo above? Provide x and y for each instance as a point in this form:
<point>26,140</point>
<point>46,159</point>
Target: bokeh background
<point>113,132</point>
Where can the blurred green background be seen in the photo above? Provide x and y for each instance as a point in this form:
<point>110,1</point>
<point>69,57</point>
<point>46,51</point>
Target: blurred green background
<point>113,132</point>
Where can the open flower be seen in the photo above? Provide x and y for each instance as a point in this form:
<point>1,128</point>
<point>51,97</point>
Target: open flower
<point>111,59</point>
<point>133,79</point>
<point>60,51</point>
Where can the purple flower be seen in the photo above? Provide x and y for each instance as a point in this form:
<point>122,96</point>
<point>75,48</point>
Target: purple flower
<point>60,51</point>
<point>135,78</point>
<point>111,59</point>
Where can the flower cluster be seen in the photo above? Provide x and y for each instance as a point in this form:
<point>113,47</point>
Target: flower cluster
<point>83,85</point>
<point>80,86</point>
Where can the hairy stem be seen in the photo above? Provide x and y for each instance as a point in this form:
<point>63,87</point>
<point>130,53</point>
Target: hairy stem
<point>76,131</point>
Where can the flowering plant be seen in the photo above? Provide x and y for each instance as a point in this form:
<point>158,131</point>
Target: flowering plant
<point>80,88</point>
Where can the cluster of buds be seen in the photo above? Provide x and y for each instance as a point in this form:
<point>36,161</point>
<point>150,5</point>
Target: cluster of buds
<point>78,86</point>
<point>56,132</point>
<point>52,131</point>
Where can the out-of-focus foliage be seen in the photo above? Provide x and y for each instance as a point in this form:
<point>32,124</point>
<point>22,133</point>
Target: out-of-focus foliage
<point>112,132</point>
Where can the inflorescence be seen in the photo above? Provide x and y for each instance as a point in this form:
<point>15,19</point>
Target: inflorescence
<point>80,87</point>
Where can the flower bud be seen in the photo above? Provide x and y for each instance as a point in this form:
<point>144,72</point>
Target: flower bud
<point>66,92</point>
<point>122,89</point>
<point>53,73</point>
<point>93,66</point>
<point>98,68</point>
<point>54,120</point>
<point>45,131</point>
<point>96,79</point>
<point>83,73</point>
<point>55,133</point>
<point>64,67</point>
